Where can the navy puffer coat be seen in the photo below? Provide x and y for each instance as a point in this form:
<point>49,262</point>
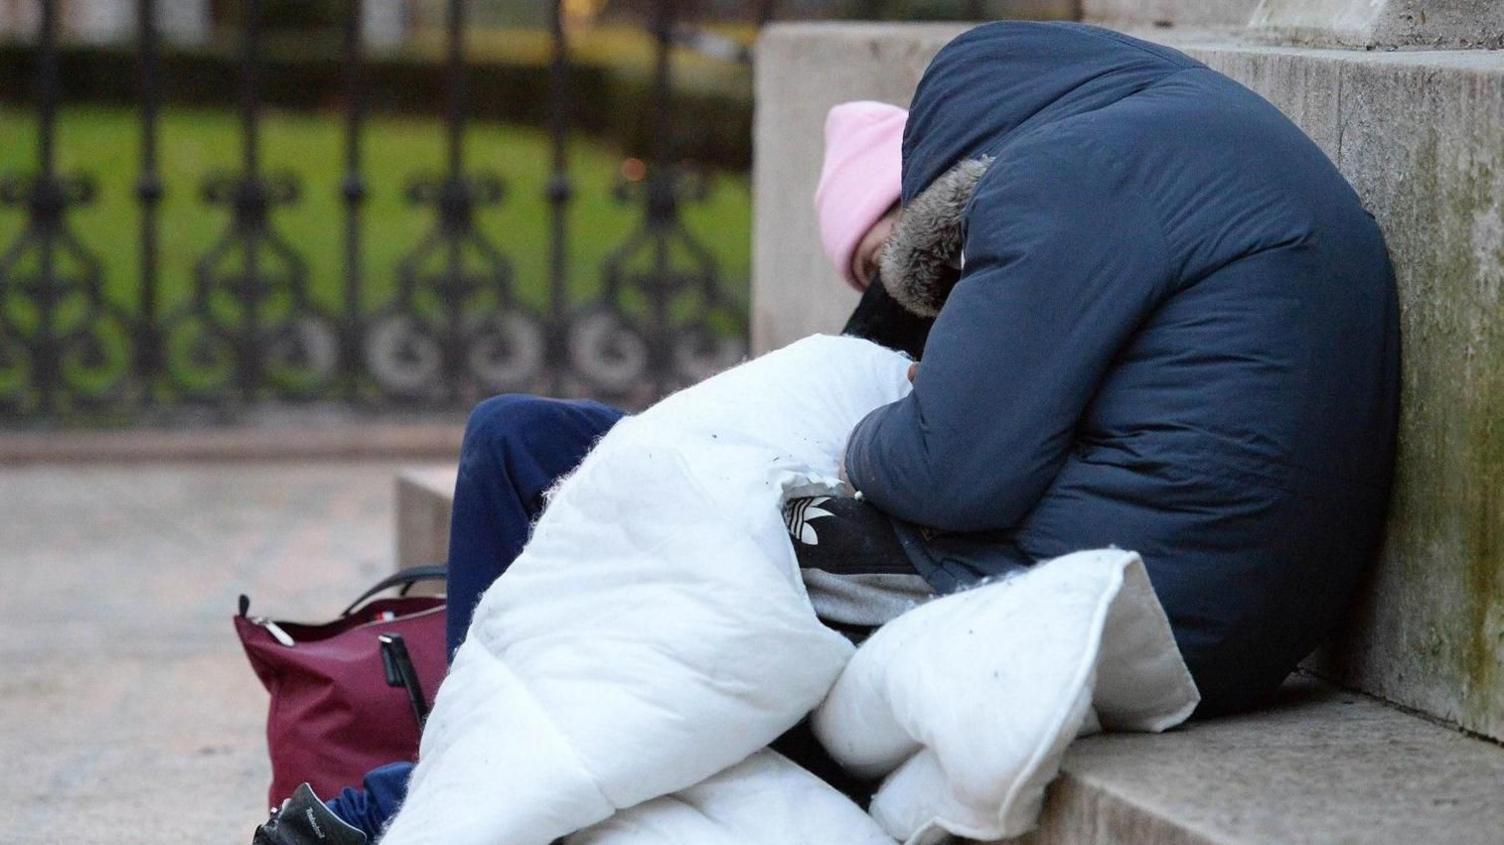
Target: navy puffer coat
<point>1173,330</point>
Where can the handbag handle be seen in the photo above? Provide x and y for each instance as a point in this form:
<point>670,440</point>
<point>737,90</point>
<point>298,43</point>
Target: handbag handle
<point>405,577</point>
<point>400,673</point>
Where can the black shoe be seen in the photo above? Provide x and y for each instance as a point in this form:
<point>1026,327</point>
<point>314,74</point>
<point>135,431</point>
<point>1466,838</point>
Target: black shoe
<point>305,820</point>
<point>843,535</point>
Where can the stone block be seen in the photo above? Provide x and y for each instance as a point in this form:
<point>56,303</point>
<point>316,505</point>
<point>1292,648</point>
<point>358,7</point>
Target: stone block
<point>802,70</point>
<point>1383,24</point>
<point>1420,134</point>
<point>424,502</point>
<point>1421,137</point>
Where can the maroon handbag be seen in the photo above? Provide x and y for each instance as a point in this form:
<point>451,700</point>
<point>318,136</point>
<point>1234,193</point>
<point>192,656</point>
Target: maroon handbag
<point>348,695</point>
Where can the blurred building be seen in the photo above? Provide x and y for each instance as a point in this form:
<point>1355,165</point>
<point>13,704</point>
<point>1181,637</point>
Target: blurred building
<point>385,24</point>
<point>108,21</point>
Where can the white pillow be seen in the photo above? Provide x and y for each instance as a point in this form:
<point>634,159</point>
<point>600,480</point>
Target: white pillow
<point>764,800</point>
<point>968,702</point>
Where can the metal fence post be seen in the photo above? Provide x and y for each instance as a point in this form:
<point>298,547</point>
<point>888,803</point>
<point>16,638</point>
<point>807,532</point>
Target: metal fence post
<point>149,192</point>
<point>560,191</point>
<point>662,189</point>
<point>353,192</point>
<point>250,202</point>
<point>47,209</point>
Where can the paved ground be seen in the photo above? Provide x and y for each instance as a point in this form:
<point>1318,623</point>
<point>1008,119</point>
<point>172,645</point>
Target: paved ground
<point>127,711</point>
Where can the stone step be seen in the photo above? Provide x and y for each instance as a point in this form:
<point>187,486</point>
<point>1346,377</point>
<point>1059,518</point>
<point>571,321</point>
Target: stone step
<point>1323,765</point>
<point>424,500</point>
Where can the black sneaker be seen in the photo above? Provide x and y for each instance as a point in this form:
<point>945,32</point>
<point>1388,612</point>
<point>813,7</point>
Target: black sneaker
<point>844,535</point>
<point>305,820</point>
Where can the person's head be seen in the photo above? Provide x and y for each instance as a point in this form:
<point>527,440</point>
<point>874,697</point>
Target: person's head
<point>857,198</point>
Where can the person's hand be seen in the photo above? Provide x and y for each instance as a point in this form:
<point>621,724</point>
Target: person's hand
<point>913,371</point>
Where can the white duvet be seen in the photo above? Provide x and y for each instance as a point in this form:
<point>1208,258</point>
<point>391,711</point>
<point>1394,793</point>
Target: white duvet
<point>617,687</point>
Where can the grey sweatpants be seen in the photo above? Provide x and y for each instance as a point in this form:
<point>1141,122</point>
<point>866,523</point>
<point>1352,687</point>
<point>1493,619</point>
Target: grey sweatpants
<point>866,600</point>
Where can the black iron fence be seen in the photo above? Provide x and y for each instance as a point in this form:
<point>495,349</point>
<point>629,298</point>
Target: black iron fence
<point>250,333</point>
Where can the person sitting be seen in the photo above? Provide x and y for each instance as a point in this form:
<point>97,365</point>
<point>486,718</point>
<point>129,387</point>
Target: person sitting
<point>517,446</point>
<point>1164,322</point>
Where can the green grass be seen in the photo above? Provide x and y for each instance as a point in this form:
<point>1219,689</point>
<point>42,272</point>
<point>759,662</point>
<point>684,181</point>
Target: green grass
<point>630,50</point>
<point>104,142</point>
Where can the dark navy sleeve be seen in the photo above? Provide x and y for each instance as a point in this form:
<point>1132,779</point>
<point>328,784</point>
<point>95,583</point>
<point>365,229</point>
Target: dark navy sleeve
<point>1063,261</point>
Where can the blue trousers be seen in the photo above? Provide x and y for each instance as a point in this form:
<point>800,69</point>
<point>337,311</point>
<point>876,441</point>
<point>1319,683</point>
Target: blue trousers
<point>515,448</point>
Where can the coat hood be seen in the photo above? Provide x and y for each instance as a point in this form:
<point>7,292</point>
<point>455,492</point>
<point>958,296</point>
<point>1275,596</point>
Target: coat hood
<point>988,86</point>
<point>922,258</point>
<point>999,79</point>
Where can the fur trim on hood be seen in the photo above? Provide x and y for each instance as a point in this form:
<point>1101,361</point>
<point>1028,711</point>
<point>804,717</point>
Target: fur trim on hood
<point>922,259</point>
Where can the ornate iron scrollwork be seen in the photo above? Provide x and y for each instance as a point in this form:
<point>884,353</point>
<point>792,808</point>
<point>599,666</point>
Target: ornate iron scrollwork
<point>63,344</point>
<point>249,326</point>
<point>455,330</point>
<point>662,319</point>
<point>250,323</point>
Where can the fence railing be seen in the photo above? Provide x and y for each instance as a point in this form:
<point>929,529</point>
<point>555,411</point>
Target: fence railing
<point>249,332</point>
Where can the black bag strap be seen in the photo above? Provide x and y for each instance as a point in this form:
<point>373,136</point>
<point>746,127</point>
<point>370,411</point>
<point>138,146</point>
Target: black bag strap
<point>404,577</point>
<point>400,673</point>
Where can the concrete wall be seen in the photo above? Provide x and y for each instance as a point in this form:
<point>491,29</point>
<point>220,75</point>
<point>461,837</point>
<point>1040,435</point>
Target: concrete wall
<point>1365,24</point>
<point>1186,13</point>
<point>803,70</point>
<point>1421,136</point>
<point>1382,24</point>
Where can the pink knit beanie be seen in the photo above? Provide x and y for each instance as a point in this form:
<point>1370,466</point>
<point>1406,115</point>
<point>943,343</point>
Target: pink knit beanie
<point>859,180</point>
